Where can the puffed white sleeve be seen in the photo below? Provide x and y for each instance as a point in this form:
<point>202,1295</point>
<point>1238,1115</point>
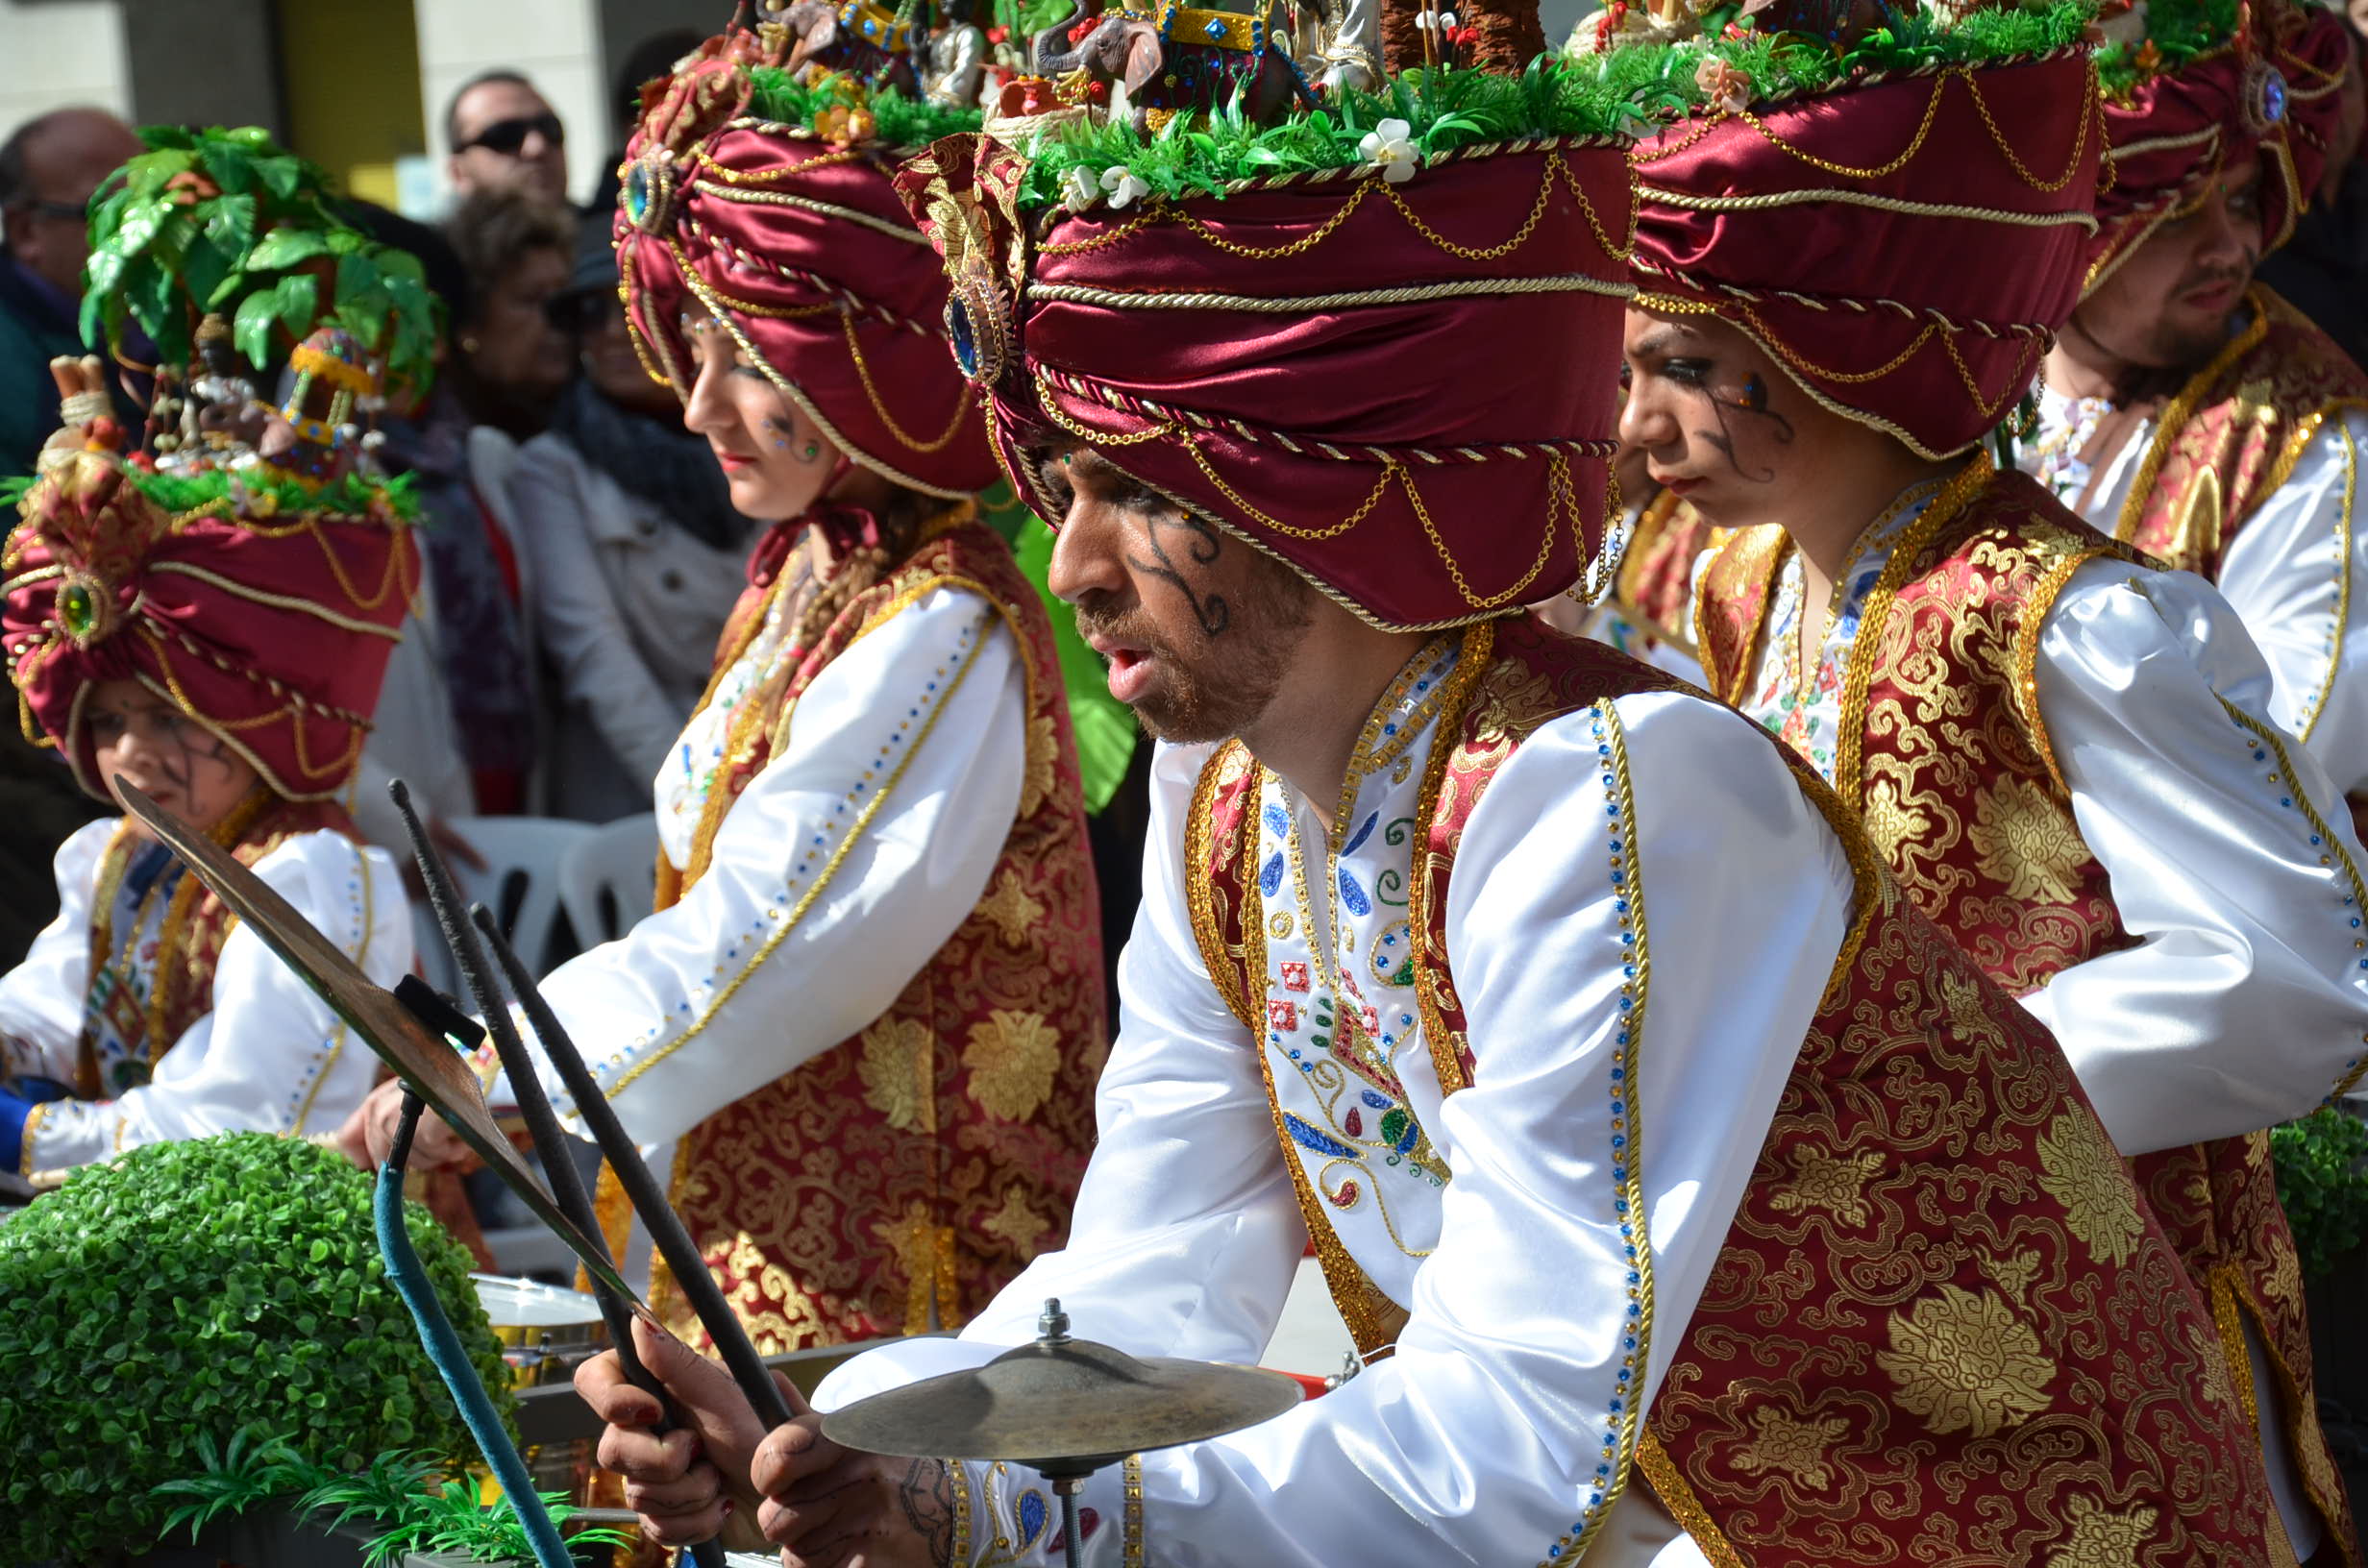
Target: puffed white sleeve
<point>271,1057</point>
<point>2233,864</point>
<point>1495,1432</point>
<point>842,868</point>
<point>41,998</point>
<point>2297,574</point>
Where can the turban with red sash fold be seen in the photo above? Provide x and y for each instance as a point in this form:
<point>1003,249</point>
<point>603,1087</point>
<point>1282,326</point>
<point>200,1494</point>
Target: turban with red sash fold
<point>272,632</point>
<point>2273,92</point>
<point>1905,250</point>
<point>797,245</point>
<point>1406,391</point>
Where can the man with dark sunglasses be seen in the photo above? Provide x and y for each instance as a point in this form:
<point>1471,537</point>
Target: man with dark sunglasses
<point>503,134</point>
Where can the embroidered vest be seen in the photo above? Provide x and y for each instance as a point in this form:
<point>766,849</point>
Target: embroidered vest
<point>1923,1336</point>
<point>1942,753</point>
<point>2234,434</point>
<point>899,1179</point>
<point>1656,572</point>
<point>137,1009</point>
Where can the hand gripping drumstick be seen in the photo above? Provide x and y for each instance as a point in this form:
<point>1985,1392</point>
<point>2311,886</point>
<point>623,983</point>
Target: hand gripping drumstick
<point>552,1144</point>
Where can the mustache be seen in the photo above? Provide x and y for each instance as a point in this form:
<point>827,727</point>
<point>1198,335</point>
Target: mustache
<point>2213,277</point>
<point>1104,619</point>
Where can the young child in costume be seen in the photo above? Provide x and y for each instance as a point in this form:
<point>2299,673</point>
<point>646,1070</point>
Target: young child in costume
<point>207,618</point>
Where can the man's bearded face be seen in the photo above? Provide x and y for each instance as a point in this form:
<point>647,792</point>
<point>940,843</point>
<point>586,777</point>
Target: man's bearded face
<point>2166,307</point>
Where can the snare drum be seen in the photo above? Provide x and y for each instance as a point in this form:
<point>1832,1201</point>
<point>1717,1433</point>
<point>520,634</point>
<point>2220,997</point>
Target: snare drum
<point>545,1331</point>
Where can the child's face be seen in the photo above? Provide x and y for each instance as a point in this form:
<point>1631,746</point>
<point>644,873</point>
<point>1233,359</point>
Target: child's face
<point>178,763</point>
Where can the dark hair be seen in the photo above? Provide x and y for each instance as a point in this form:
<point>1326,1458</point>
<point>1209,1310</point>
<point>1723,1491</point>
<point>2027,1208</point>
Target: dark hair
<point>493,230</point>
<point>500,74</point>
<point>16,179</point>
<point>652,56</point>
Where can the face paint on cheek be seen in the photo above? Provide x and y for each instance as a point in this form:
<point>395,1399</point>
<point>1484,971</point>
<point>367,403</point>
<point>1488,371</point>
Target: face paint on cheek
<point>1202,547</point>
<point>1753,403</point>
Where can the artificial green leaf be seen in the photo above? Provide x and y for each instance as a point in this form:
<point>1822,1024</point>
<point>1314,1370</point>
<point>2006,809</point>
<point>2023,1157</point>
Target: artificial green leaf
<point>284,174</point>
<point>251,332</point>
<point>285,247</point>
<point>298,302</point>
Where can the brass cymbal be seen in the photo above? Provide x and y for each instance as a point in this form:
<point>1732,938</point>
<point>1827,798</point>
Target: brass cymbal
<point>430,1067</point>
<point>1060,1405</point>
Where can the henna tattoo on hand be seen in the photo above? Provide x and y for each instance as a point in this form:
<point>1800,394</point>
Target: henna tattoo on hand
<point>926,1496</point>
<point>1210,610</point>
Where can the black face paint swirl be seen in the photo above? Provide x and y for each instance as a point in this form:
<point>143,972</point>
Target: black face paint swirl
<point>1205,545</point>
<point>927,1497</point>
<point>185,747</point>
<point>1754,403</point>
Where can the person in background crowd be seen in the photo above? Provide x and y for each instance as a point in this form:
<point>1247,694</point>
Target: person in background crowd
<point>2323,270</point>
<point>514,248</point>
<point>513,252</point>
<point>637,555</point>
<point>503,137</point>
<point>48,168</point>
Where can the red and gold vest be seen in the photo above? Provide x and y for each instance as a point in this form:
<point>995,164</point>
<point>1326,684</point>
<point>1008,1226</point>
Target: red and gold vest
<point>2234,434</point>
<point>1941,751</point>
<point>1656,572</point>
<point>899,1179</point>
<point>1942,1327</point>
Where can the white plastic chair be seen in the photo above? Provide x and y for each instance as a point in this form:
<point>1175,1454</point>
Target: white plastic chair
<point>608,882</point>
<point>520,883</point>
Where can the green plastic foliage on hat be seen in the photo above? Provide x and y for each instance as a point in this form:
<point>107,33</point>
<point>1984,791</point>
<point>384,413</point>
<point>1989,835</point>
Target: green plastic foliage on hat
<point>226,222</point>
<point>185,1292</point>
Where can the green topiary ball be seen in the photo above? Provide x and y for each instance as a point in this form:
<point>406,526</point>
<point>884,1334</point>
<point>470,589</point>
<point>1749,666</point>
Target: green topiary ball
<point>191,1290</point>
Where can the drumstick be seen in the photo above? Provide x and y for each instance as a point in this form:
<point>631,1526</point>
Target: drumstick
<point>649,1200</point>
<point>551,1144</point>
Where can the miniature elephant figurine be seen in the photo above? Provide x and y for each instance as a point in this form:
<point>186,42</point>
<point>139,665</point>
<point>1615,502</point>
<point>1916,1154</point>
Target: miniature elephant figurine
<point>1164,75</point>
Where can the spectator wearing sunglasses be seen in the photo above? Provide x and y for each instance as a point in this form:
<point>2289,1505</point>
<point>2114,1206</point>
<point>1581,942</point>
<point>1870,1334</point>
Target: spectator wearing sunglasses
<point>636,551</point>
<point>48,168</point>
<point>504,136</point>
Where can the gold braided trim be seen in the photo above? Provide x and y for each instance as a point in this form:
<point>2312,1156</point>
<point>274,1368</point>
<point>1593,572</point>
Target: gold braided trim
<point>2336,854</point>
<point>1668,1483</point>
<point>764,176</point>
<point>1856,304</point>
<point>2175,415</point>
<point>822,879</point>
<point>863,373</point>
<point>228,734</point>
<point>1630,1026</point>
<point>2227,1318</point>
<point>808,204</point>
<point>1556,171</point>
<point>1200,893</point>
<point>659,369</point>
<point>310,522</point>
<point>1159,413</point>
<point>1478,651</point>
<point>361,956</point>
<point>1851,727</point>
<point>790,389</point>
<point>2298,1415</point>
<point>1283,304</point>
<point>2041,605</point>
<point>283,601</point>
<point>2168,144</point>
<point>2343,573</point>
<point>2071,217</point>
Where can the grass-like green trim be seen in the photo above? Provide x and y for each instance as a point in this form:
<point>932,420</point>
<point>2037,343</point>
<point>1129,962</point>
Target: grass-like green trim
<point>898,121</point>
<point>1444,109</point>
<point>351,496</point>
<point>2179,30</point>
<point>1658,79</point>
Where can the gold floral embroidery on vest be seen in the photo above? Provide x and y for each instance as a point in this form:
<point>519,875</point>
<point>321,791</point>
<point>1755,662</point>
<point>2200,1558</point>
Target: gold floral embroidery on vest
<point>1967,1004</point>
<point>1792,1447</point>
<point>1042,750</point>
<point>1017,1223</point>
<point>1963,1361</point>
<point>2102,1538</point>
<point>1011,1059</point>
<point>2082,1171</point>
<point>1823,1180</point>
<point>2023,837</point>
<point>896,1072</point>
<point>1009,906</point>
